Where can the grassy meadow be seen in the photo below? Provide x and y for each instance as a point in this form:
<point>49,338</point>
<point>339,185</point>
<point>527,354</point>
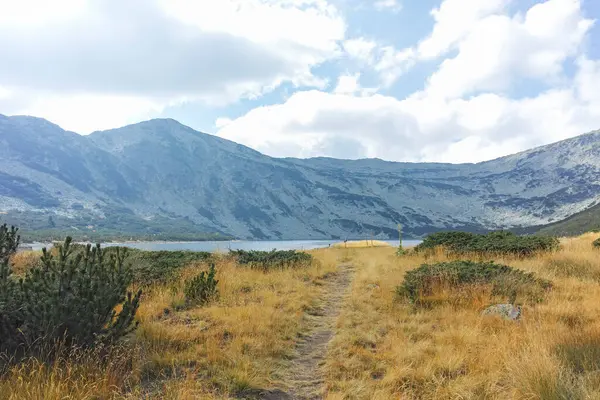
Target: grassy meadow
<point>381,346</point>
<point>385,348</point>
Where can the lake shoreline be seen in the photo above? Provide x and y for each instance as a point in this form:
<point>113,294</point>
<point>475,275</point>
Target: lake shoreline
<point>221,245</point>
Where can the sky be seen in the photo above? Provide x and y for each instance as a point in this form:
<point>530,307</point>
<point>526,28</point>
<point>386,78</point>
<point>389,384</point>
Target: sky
<point>400,80</point>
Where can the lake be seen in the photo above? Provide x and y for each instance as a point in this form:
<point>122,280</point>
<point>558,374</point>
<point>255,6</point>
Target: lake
<point>234,245</point>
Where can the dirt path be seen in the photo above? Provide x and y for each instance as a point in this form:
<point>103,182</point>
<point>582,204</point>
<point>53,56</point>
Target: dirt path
<point>305,378</point>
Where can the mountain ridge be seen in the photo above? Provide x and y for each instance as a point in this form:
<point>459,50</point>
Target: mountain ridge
<point>163,170</point>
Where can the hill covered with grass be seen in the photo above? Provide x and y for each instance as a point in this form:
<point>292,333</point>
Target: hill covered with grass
<point>584,221</point>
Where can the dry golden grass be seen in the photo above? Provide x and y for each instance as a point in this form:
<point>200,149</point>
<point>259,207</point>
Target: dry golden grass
<point>81,376</point>
<point>385,348</point>
<point>353,244</point>
<point>239,342</point>
<point>24,260</point>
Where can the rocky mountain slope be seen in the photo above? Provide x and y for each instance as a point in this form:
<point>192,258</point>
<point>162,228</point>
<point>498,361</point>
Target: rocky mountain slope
<point>160,170</point>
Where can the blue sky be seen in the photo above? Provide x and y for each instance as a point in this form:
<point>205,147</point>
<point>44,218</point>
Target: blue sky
<point>443,80</point>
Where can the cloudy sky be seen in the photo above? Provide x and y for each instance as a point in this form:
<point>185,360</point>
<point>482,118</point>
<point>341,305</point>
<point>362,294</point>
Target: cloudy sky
<point>405,80</point>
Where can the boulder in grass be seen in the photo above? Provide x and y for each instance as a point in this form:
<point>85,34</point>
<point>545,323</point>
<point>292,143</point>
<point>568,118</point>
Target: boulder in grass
<point>505,311</point>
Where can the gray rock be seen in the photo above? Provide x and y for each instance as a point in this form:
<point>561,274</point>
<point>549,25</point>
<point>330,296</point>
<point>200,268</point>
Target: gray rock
<point>505,311</point>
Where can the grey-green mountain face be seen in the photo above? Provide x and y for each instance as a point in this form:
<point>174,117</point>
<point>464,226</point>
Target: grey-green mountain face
<point>160,170</point>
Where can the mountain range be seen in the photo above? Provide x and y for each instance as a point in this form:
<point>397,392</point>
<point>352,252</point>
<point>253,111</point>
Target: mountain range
<point>159,176</point>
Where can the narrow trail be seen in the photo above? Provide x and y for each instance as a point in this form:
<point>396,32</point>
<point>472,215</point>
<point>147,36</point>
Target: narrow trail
<point>304,379</point>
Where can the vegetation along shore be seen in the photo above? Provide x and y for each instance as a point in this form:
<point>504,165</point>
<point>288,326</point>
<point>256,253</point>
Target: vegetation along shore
<point>459,316</point>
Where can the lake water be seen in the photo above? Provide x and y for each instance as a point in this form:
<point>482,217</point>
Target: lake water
<point>235,245</point>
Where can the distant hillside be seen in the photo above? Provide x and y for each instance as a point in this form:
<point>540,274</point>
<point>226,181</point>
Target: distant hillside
<point>584,221</point>
<point>162,179</point>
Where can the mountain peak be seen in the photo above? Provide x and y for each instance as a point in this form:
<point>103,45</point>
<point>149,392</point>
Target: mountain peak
<point>30,120</point>
<point>150,123</point>
<point>163,122</point>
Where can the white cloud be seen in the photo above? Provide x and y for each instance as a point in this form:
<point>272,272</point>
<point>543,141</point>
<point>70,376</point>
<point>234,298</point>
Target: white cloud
<point>265,21</point>
<point>394,63</point>
<point>498,49</point>
<point>348,84</point>
<point>27,13</point>
<point>5,93</point>
<point>493,47</point>
<point>388,5</point>
<point>361,49</point>
<point>222,122</point>
<point>162,52</point>
<point>588,80</point>
<point>388,62</point>
<point>453,21</point>
<point>88,113</point>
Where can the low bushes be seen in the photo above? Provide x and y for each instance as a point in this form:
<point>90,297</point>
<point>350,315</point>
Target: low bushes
<point>267,260</point>
<point>147,266</point>
<point>493,243</point>
<point>202,288</point>
<point>596,243</point>
<point>503,280</point>
<point>150,267</point>
<point>70,300</point>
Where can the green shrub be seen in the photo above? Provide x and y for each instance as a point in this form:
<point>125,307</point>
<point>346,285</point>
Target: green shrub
<point>71,300</point>
<point>202,288</point>
<point>596,243</point>
<point>501,242</point>
<point>9,242</point>
<point>504,280</point>
<point>9,295</point>
<point>149,267</point>
<point>267,260</point>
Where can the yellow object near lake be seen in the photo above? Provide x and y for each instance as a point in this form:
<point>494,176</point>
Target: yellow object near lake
<point>362,243</point>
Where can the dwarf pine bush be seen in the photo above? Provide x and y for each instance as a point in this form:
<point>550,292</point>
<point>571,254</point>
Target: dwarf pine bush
<point>267,260</point>
<point>70,299</point>
<point>501,242</point>
<point>202,288</point>
<point>504,280</point>
<point>150,267</point>
<point>9,295</point>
